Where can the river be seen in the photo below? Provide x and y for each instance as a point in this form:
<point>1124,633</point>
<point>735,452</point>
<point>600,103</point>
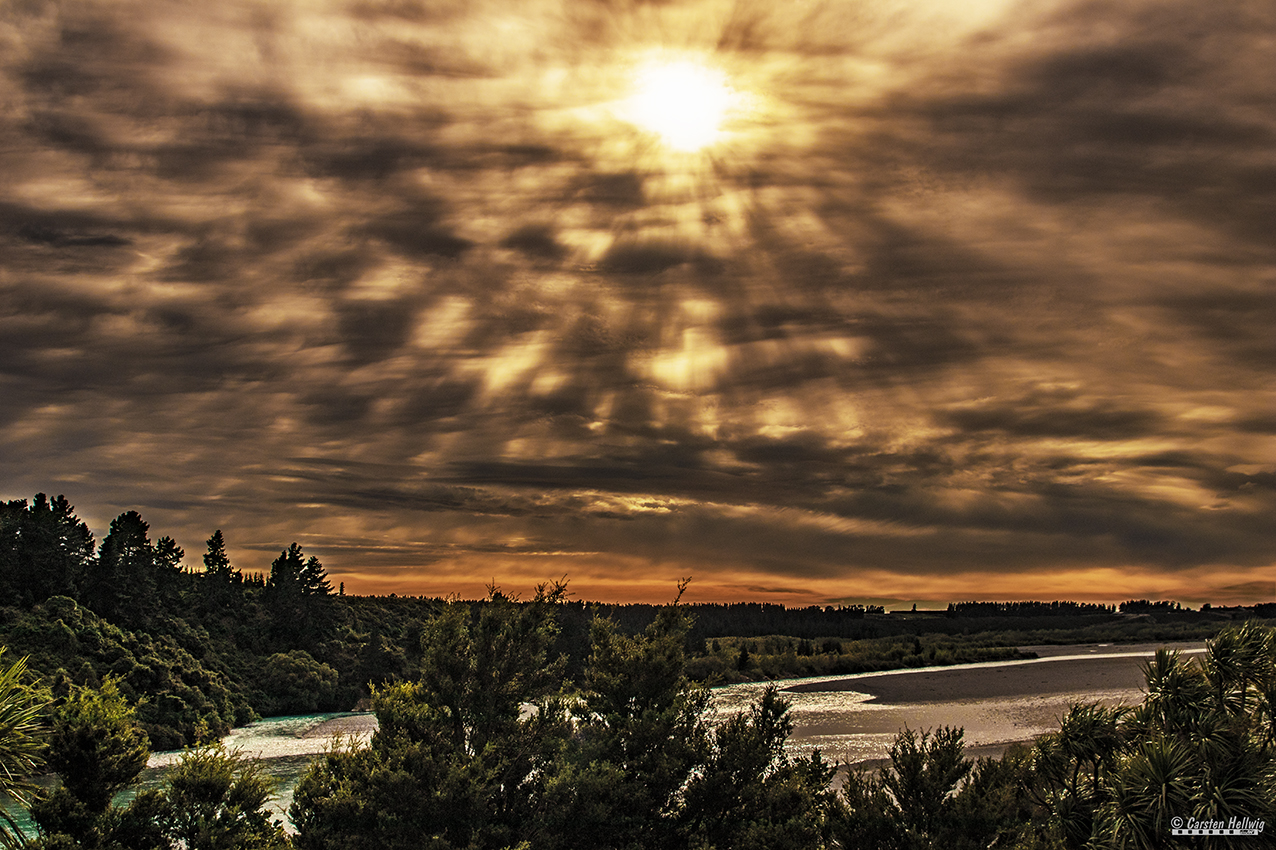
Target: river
<point>851,719</point>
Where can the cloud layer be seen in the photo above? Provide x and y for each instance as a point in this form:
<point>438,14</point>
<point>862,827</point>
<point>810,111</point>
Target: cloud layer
<point>974,302</point>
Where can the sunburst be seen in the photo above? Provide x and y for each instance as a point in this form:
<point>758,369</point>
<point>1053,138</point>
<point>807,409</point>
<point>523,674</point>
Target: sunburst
<point>683,102</point>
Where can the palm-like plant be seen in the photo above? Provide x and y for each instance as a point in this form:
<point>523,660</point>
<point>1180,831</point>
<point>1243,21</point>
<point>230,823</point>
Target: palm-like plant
<point>1072,765</point>
<point>1236,662</point>
<point>21,740</point>
<point>1155,783</point>
<point>1200,745</point>
<point>1178,695</point>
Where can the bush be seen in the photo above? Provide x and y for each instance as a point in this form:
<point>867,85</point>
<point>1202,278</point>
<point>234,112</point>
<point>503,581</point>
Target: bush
<point>295,683</point>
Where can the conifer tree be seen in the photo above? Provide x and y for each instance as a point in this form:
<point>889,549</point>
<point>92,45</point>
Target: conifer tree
<point>312,580</point>
<point>45,549</point>
<point>298,591</point>
<point>216,561</point>
<point>121,584</point>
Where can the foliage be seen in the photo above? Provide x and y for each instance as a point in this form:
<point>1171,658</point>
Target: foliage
<point>21,740</point>
<point>295,683</point>
<point>97,749</point>
<point>749,793</point>
<point>96,745</point>
<point>640,736</point>
<point>454,762</point>
<point>293,575</point>
<point>907,804</point>
<point>212,800</point>
<point>1200,745</point>
<point>178,693</point>
<point>44,549</point>
<point>215,801</point>
<point>485,750</point>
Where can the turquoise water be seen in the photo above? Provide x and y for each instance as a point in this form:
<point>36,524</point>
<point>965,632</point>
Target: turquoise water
<point>285,747</point>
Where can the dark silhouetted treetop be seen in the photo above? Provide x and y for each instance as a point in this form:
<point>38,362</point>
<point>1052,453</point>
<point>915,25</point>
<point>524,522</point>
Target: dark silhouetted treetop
<point>216,561</point>
<point>314,579</point>
<point>292,574</point>
<point>121,584</point>
<point>45,549</point>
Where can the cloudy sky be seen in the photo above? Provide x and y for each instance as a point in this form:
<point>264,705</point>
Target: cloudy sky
<point>946,301</point>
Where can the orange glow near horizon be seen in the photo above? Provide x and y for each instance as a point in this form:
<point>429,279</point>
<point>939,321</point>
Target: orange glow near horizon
<point>892,591</point>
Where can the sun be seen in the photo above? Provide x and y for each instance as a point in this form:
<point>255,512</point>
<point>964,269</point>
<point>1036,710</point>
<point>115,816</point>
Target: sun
<point>683,102</point>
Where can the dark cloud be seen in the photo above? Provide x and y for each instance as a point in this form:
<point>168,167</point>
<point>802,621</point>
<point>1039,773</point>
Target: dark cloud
<point>374,330</point>
<point>1026,418</point>
<point>1235,323</point>
<point>976,300</point>
<point>536,241</point>
<point>1160,111</point>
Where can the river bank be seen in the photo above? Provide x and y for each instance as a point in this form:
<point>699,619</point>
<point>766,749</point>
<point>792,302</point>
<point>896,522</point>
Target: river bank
<point>1054,670</point>
<point>854,719</point>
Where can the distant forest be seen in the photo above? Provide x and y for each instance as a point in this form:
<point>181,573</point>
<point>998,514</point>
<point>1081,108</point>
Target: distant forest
<point>199,649</point>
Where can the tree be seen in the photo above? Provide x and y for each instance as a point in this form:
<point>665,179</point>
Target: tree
<point>214,800</point>
<point>455,762</point>
<point>295,683</point>
<point>44,549</point>
<point>485,751</point>
<point>298,591</point>
<point>285,573</point>
<point>313,579</point>
<point>1199,746</point>
<point>646,768</point>
<point>906,804</point>
<point>121,584</point>
<point>216,561</point>
<point>96,744</point>
<point>97,749</point>
<point>217,583</point>
<point>640,737</point>
<point>749,794</point>
<point>293,575</point>
<point>21,740</point>
<point>1072,767</point>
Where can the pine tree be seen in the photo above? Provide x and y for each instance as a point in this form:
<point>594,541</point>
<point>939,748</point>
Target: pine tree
<point>216,561</point>
<point>313,579</point>
<point>298,592</point>
<point>285,573</point>
<point>45,549</point>
<point>121,584</point>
